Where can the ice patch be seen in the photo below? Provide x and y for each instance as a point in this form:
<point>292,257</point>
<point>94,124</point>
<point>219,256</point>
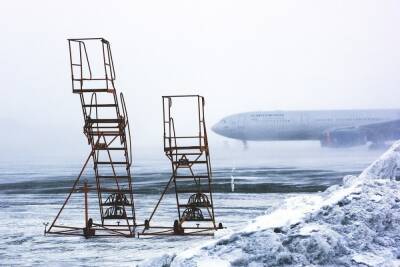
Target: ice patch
<point>164,260</point>
<point>369,259</point>
<point>386,166</point>
<point>357,223</point>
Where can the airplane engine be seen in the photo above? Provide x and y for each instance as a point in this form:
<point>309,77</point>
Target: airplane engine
<point>344,138</point>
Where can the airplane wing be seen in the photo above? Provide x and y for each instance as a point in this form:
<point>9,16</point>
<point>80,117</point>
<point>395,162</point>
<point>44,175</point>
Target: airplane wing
<point>383,131</point>
<point>376,133</point>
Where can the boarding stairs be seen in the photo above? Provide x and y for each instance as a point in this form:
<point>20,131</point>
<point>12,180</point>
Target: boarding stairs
<point>106,127</point>
<point>191,179</point>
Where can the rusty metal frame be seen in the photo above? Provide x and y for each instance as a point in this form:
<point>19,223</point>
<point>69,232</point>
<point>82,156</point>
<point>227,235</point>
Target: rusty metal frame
<point>183,156</point>
<point>103,135</point>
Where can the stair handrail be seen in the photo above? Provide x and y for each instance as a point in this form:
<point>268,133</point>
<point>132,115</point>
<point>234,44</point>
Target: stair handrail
<point>93,97</point>
<point>126,122</point>
<point>204,125</point>
<point>172,126</point>
<point>87,60</point>
<point>111,61</point>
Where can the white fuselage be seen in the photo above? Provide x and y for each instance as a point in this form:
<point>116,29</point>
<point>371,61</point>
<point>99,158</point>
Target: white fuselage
<point>297,125</point>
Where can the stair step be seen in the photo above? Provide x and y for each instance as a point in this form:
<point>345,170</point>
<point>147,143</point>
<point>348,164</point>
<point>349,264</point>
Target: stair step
<point>113,177</point>
<point>99,105</point>
<point>184,148</point>
<point>92,90</point>
<point>191,177</point>
<point>105,120</point>
<point>101,127</point>
<point>109,162</point>
<point>187,154</point>
<point>105,133</point>
<point>92,79</point>
<point>187,162</point>
<point>110,148</point>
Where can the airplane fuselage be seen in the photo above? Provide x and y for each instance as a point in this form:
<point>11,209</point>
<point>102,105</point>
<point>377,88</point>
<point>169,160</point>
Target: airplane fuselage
<point>297,125</point>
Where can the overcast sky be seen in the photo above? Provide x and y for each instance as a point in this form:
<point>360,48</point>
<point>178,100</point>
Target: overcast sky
<point>241,55</point>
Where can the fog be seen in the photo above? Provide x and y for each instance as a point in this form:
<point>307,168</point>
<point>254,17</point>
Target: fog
<point>240,55</point>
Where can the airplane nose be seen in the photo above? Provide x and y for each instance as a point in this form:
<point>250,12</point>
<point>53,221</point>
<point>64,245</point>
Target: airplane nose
<point>215,128</point>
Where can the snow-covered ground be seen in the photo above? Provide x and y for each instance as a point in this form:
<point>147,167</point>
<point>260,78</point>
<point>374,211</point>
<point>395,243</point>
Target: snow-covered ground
<point>354,224</point>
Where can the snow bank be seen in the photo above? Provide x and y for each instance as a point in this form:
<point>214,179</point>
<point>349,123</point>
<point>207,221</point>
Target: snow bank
<point>357,223</point>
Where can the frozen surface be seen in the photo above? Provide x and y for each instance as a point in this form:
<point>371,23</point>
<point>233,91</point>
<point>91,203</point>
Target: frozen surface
<point>23,242</point>
<point>356,223</point>
<point>31,194</point>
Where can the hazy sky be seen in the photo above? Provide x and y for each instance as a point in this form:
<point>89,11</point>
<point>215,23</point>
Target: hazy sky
<point>241,55</point>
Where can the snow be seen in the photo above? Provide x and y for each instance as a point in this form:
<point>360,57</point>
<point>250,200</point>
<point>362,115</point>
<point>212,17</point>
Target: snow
<point>369,259</point>
<point>355,224</point>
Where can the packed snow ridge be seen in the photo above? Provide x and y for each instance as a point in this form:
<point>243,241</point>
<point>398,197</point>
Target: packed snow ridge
<point>355,224</point>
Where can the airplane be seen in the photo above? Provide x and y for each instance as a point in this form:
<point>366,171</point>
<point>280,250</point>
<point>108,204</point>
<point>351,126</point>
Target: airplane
<point>333,128</point>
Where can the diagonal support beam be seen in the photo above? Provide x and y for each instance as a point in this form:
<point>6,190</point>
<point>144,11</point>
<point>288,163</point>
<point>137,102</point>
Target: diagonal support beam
<point>72,190</point>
